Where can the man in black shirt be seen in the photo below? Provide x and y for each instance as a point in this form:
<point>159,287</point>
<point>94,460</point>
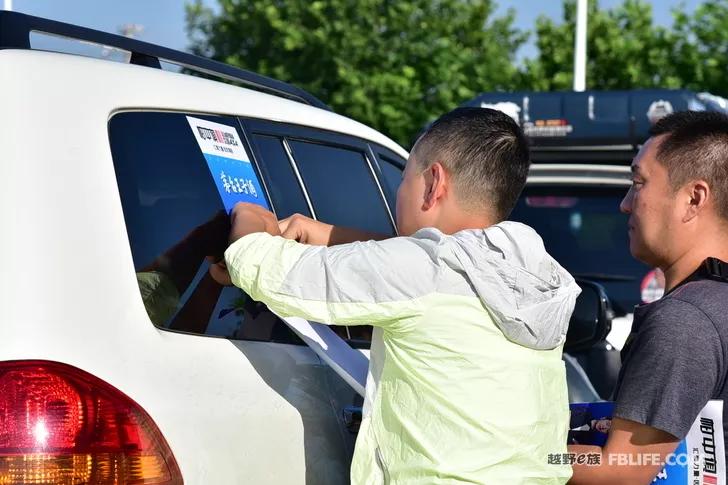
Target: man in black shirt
<point>676,359</point>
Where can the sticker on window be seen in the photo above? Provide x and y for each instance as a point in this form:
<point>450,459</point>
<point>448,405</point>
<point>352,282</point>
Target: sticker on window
<point>228,162</point>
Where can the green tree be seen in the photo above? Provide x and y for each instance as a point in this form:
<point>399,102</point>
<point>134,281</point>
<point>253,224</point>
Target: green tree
<point>625,50</point>
<point>699,47</point>
<point>394,65</point>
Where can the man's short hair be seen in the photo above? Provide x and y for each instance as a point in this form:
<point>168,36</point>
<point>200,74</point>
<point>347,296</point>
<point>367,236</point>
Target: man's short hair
<point>486,154</point>
<point>696,148</point>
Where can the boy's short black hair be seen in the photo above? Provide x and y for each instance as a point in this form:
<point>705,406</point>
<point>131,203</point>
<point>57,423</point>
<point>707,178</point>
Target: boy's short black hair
<point>486,153</point>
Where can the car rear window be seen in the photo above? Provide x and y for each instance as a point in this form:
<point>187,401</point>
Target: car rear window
<point>175,201</point>
<point>583,229</point>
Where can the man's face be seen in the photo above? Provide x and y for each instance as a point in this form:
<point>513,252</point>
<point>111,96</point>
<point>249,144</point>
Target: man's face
<point>654,216</point>
<point>410,199</point>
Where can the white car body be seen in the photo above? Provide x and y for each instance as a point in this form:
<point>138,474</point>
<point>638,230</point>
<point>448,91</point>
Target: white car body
<point>231,411</point>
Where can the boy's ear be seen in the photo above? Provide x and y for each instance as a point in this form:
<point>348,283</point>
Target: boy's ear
<point>435,185</point>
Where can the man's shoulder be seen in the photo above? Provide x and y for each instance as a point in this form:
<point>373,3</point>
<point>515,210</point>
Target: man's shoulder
<point>675,326</point>
<point>694,307</point>
<point>701,291</point>
<point>705,297</point>
<point>674,356</point>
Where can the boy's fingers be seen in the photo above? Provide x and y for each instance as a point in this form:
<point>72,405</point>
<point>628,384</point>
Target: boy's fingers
<point>292,233</point>
<point>247,208</point>
<point>283,224</point>
<point>271,224</point>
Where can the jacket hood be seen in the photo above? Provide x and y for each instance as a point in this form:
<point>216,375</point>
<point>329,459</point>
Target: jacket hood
<point>529,295</point>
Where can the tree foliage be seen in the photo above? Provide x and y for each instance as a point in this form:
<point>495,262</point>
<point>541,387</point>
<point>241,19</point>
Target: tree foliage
<point>397,64</point>
<point>699,47</point>
<point>627,50</point>
<point>394,65</point>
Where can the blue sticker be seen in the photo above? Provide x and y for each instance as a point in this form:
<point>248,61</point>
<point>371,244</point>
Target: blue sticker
<point>228,162</point>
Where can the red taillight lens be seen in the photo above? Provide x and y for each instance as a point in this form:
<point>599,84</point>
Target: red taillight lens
<point>60,425</point>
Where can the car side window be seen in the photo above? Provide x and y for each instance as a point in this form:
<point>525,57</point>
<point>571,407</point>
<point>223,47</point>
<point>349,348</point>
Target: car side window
<point>344,192</point>
<point>341,186</point>
<point>175,218</point>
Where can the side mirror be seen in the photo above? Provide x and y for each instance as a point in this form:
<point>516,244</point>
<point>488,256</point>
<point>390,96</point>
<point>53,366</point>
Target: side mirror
<point>592,318</point>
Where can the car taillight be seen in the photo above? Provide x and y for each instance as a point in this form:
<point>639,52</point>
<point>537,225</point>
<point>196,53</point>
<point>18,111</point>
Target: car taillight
<point>60,425</point>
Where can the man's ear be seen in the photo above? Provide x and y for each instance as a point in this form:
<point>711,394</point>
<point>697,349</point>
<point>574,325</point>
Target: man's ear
<point>436,179</point>
<point>698,195</point>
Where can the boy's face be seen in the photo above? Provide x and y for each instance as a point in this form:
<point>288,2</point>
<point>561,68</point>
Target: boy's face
<point>411,215</point>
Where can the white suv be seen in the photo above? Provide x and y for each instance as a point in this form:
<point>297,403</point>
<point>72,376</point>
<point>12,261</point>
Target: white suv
<point>101,174</point>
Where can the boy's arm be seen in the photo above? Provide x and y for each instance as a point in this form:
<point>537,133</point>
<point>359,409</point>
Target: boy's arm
<point>316,233</point>
<point>353,284</point>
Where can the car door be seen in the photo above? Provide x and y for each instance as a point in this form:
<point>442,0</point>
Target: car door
<point>347,181</point>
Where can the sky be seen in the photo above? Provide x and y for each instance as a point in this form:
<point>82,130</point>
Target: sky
<point>163,21</point>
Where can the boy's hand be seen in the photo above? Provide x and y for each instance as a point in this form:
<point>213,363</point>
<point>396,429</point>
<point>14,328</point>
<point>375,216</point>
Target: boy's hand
<point>305,230</point>
<point>244,219</point>
<point>250,218</point>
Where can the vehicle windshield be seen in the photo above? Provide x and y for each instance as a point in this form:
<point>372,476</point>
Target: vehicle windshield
<point>584,231</point>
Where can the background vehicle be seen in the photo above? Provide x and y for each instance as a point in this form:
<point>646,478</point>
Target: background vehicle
<point>100,174</point>
<point>582,146</point>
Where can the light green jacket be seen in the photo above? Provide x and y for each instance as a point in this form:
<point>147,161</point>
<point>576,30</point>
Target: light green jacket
<point>469,386</point>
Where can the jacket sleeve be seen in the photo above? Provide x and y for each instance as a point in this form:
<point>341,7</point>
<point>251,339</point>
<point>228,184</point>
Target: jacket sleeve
<point>376,283</point>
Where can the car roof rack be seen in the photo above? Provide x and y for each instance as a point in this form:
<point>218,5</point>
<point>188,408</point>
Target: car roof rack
<point>15,30</point>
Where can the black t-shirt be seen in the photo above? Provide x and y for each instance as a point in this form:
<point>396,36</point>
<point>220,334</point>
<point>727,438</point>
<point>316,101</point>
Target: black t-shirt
<point>675,359</point>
